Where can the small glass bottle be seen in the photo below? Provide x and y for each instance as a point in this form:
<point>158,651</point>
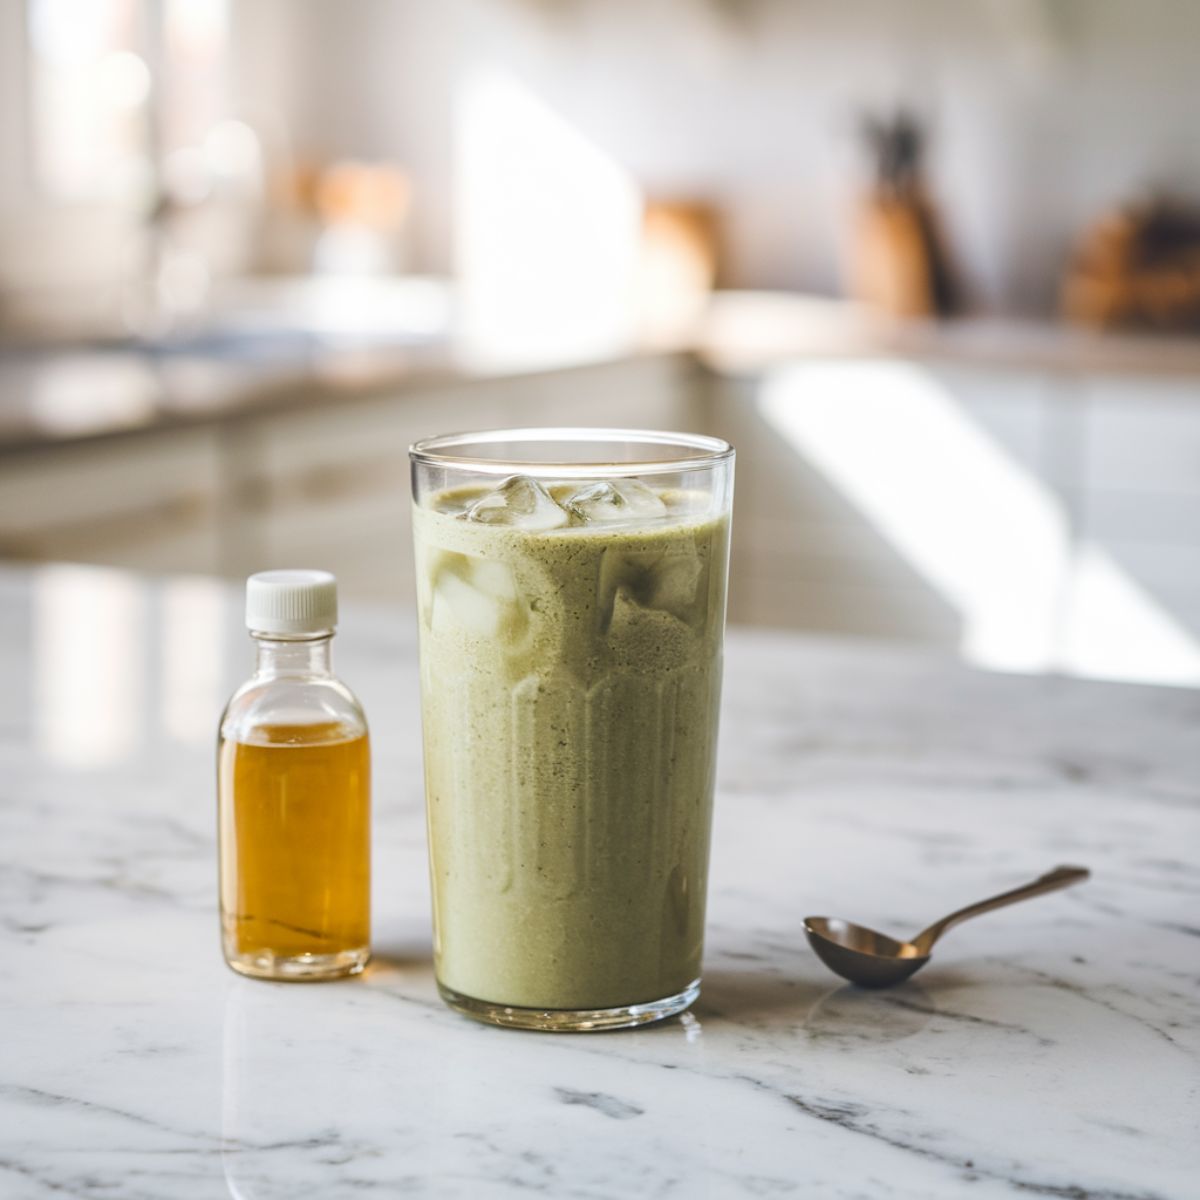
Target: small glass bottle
<point>294,794</point>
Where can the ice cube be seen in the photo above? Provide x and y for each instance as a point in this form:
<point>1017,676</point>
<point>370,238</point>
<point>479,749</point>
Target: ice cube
<point>477,596</point>
<point>521,502</point>
<point>457,605</point>
<point>494,579</point>
<point>662,580</point>
<point>673,585</point>
<point>615,500</point>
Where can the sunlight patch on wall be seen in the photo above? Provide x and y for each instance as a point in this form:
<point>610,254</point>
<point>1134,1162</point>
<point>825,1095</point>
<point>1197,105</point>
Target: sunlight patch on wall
<point>1113,629</point>
<point>987,535</point>
<point>547,230</point>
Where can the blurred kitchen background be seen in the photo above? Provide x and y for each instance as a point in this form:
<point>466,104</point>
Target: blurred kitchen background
<point>933,267</point>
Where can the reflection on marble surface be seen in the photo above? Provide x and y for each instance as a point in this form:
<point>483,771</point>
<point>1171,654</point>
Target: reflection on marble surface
<point>193,629</point>
<point>88,665</point>
<point>1049,1050</point>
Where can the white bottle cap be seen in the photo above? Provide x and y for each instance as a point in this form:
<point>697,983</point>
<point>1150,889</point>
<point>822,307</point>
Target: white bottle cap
<point>291,602</point>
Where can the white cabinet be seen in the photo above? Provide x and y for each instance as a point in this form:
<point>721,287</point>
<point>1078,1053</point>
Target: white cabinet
<point>1036,519</point>
<point>148,501</point>
<point>1143,436</point>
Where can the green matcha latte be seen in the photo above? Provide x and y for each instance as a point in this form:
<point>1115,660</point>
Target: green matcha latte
<point>570,670</point>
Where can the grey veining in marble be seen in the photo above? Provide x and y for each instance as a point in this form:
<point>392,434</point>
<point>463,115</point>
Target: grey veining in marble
<point>1049,1050</point>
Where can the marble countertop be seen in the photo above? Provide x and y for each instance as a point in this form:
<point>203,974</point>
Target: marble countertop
<point>1051,1049</point>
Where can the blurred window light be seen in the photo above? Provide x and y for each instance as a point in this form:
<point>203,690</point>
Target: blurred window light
<point>65,33</point>
<point>95,71</point>
<point>88,89</point>
<point>548,228</point>
<point>195,49</point>
<point>125,80</point>
<point>988,536</point>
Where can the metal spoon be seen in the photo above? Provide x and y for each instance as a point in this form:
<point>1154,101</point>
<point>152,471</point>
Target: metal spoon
<point>873,960</point>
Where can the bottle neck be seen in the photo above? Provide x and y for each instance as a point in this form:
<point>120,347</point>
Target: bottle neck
<point>310,656</point>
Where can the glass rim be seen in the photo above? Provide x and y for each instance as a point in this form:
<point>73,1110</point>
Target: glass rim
<point>453,450</point>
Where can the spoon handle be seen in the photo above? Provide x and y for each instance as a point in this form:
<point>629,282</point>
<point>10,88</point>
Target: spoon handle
<point>1060,877</point>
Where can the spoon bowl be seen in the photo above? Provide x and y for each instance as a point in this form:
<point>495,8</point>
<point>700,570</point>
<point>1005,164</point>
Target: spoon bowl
<point>875,960</point>
<point>860,954</point>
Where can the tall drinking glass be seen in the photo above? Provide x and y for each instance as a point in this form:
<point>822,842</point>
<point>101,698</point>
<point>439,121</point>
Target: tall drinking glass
<point>571,589</point>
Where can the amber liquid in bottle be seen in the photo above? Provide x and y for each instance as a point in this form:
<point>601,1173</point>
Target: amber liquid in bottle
<point>295,849</point>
